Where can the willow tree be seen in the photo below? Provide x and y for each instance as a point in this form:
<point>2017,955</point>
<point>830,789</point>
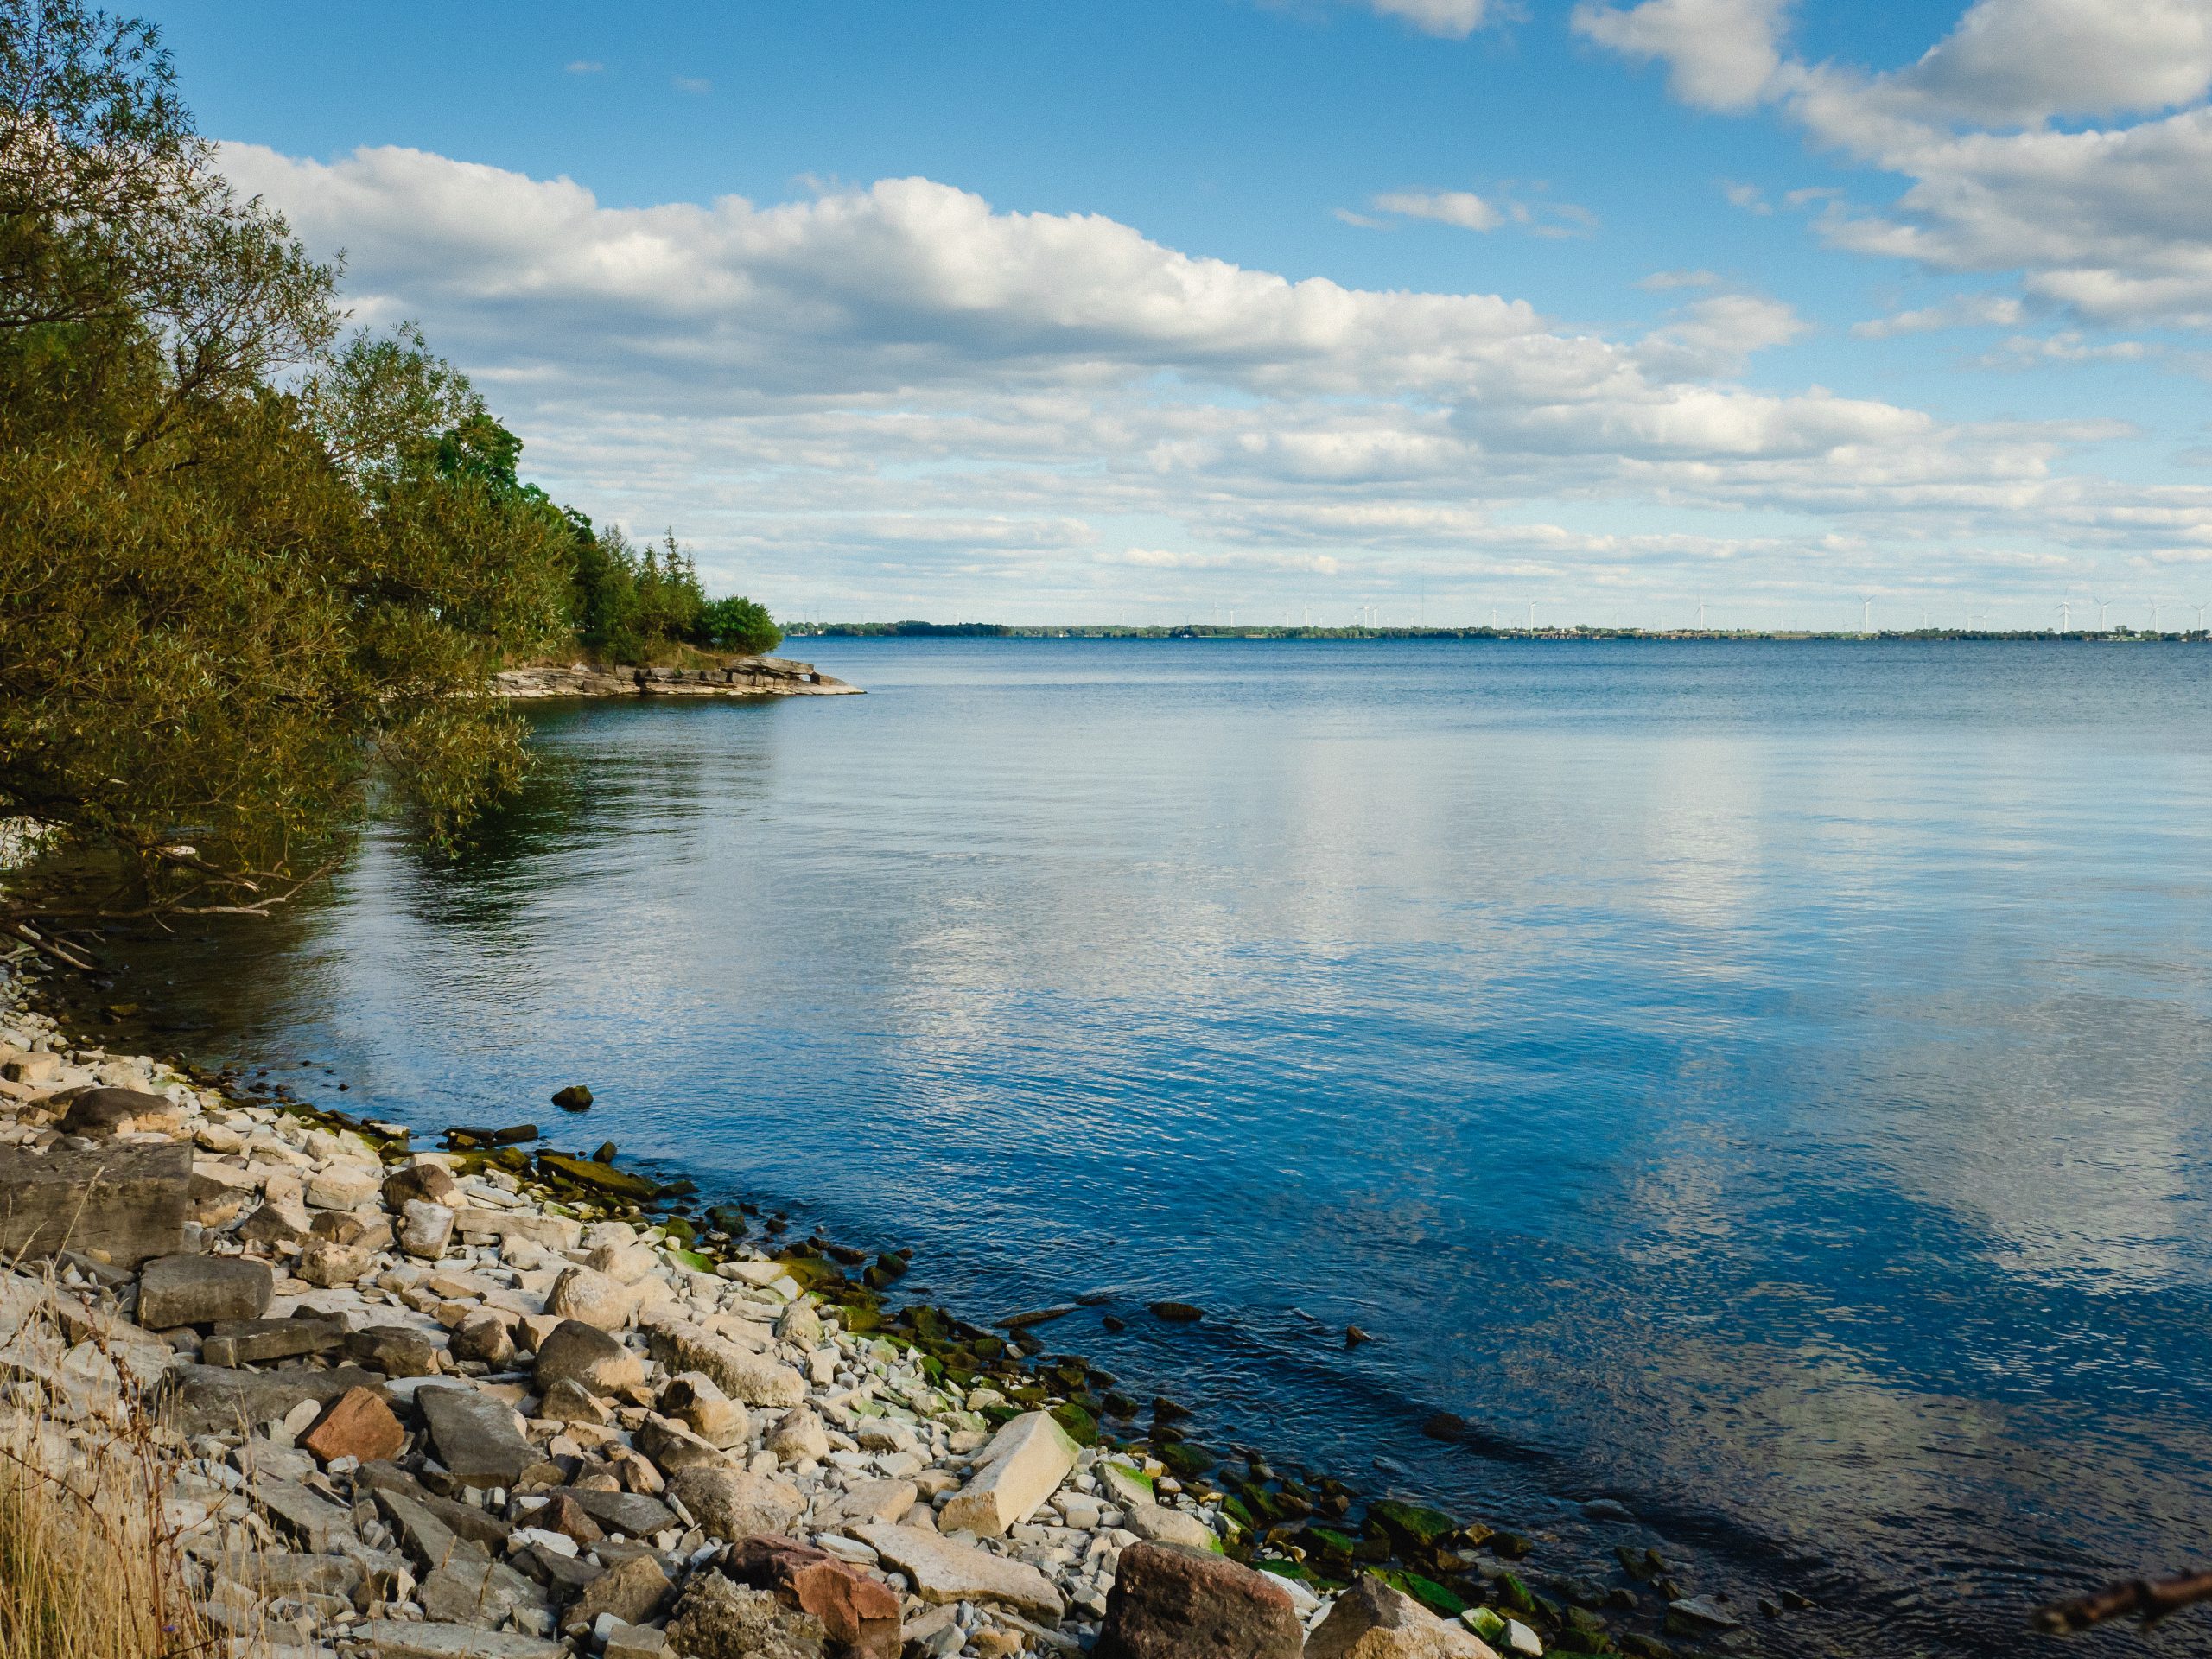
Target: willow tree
<point>243,570</point>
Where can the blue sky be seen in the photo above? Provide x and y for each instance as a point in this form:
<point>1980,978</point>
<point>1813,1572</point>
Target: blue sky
<point>1079,312</point>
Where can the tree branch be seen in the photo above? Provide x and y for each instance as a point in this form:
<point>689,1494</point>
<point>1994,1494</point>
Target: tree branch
<point>2150,1599</point>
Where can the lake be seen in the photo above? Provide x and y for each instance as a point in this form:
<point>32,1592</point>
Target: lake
<point>1764,1084</point>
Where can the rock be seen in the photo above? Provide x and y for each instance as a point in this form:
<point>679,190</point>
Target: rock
<point>316,1522</point>
<point>1169,1603</point>
<point>420,1183</point>
<point>873,1501</point>
<point>801,1326</point>
<point>101,1114</point>
<point>603,1178</point>
<point>179,1290</point>
<point>483,1593</point>
<point>1024,1463</point>
<point>718,1619</point>
<point>280,1220</point>
<point>632,1514</point>
<point>586,1356</point>
<point>732,1503</point>
<point>1124,1485</point>
<point>1159,1524</point>
<point>588,1295</point>
<point>126,1202</point>
<point>410,1639</point>
<point>475,1436</point>
<point>357,1424</point>
<point>753,1379</point>
<point>330,1265</point>
<point>626,1264</point>
<point>425,1227</point>
<point>394,1350</point>
<point>573,1098</point>
<point>344,1186</point>
<point>675,1448</point>
<point>212,1400</point>
<point>567,1402</point>
<point>256,1342</point>
<point>943,1571</point>
<point>1698,1614</point>
<point>632,1591</point>
<point>475,1223</point>
<point>422,1531</point>
<point>1519,1639</point>
<point>635,1642</point>
<point>694,1401</point>
<point>366,1228</point>
<point>858,1614</point>
<point>1176,1313</point>
<point>483,1336</point>
<point>797,1436</point>
<point>560,1513</point>
<point>1371,1620</point>
<point>217,1194</point>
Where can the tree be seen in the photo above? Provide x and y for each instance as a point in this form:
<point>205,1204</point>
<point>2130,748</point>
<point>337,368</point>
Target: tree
<point>737,624</point>
<point>223,604</point>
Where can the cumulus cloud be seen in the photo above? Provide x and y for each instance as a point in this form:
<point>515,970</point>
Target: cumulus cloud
<point>1452,19</point>
<point>891,392</point>
<point>1966,311</point>
<point>1719,54</point>
<point>1662,280</point>
<point>2111,224</point>
<point>1461,208</point>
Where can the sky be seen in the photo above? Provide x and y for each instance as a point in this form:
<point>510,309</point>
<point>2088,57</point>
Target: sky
<point>1423,310</point>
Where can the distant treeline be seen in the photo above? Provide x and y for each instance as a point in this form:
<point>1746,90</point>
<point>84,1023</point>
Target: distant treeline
<point>1210,631</point>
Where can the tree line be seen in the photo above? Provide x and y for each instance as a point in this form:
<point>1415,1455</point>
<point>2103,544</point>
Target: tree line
<point>252,566</point>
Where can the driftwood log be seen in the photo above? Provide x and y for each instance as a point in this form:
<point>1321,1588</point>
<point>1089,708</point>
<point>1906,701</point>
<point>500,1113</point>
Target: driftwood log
<point>2150,1599</point>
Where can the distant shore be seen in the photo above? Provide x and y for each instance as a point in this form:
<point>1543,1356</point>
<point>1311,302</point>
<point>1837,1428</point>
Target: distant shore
<point>1231,631</point>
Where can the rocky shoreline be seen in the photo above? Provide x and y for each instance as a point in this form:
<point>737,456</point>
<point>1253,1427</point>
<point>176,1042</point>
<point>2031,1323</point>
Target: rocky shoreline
<point>502,1400</point>
<point>741,676</point>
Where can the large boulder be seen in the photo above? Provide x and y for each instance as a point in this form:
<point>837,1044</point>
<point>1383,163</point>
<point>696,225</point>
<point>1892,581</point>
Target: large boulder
<point>1172,1603</point>
<point>945,1571</point>
<point>718,1619</point>
<point>1372,1620</point>
<point>475,1437</point>
<point>179,1290</point>
<point>1023,1466</point>
<point>125,1203</point>
<point>753,1379</point>
<point>585,1294</point>
<point>215,1399</point>
<point>860,1614</point>
<point>101,1114</point>
<point>633,1591</point>
<point>732,1503</point>
<point>585,1355</point>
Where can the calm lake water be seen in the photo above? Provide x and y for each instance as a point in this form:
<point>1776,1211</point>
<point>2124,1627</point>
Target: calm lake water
<point>1767,1084</point>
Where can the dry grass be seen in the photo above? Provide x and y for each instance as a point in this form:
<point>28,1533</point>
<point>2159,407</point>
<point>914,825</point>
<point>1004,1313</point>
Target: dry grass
<point>89,1564</point>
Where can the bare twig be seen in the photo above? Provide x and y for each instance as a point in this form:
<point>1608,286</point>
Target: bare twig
<point>2150,1599</point>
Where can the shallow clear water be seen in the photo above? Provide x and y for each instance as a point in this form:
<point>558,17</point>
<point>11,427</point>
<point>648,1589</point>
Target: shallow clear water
<point>1764,1084</point>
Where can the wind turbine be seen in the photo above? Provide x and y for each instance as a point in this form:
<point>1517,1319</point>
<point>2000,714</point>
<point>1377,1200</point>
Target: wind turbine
<point>2102,605</point>
<point>2154,616</point>
<point>1866,614</point>
<point>2065,609</point>
<point>1701,612</point>
<point>2199,609</point>
<point>1532,616</point>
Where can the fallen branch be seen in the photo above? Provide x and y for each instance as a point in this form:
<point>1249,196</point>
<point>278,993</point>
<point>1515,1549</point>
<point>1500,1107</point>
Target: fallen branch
<point>2150,1599</point>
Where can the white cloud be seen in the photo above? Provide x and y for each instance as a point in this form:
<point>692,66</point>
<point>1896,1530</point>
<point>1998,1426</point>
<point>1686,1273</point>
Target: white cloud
<point>1720,53</point>
<point>1966,311</point>
<point>2112,224</point>
<point>1452,19</point>
<point>1461,208</point>
<point>585,66</point>
<point>895,391</point>
<point>1749,197</point>
<point>696,85</point>
<point>1667,279</point>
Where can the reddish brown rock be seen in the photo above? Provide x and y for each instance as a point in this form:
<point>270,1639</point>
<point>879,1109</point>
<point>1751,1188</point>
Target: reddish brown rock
<point>1173,1602</point>
<point>859,1613</point>
<point>357,1424</point>
<point>563,1515</point>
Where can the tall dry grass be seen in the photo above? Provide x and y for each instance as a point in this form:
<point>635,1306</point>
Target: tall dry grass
<point>90,1566</point>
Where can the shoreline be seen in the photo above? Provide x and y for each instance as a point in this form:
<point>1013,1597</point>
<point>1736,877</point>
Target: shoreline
<point>957,1383</point>
<point>744,677</point>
